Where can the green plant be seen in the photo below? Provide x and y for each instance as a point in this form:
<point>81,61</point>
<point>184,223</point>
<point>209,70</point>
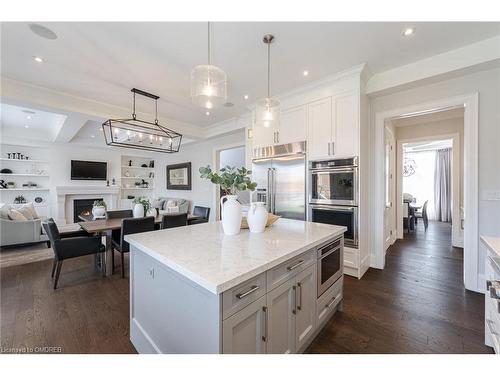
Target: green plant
<point>145,203</point>
<point>230,179</point>
<point>99,204</point>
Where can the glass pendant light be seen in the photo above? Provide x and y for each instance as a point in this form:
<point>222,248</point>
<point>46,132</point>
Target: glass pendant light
<point>267,112</point>
<point>208,82</point>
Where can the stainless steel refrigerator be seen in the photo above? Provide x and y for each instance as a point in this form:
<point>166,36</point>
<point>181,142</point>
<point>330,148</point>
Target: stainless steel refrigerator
<point>280,173</point>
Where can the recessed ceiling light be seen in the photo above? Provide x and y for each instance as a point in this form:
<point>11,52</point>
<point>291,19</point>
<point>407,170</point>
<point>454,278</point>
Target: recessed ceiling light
<point>408,31</point>
<point>38,59</point>
<point>42,31</point>
<point>207,113</point>
<point>28,117</point>
<point>246,97</point>
<point>26,126</point>
<point>92,136</point>
<point>305,73</point>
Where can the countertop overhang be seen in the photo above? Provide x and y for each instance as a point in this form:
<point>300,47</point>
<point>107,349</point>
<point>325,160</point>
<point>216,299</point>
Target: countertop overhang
<point>217,262</point>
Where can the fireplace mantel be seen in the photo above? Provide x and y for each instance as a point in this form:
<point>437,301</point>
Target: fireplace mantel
<point>66,195</point>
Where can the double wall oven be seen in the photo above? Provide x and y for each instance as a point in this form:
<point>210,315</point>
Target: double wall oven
<point>333,195</point>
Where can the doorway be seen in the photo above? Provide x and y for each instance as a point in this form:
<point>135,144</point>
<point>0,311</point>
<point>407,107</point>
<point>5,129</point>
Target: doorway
<point>469,106</point>
<point>233,156</point>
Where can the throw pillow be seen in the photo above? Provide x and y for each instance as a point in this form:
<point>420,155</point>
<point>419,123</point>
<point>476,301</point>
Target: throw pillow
<point>171,203</point>
<point>4,211</point>
<point>158,203</point>
<point>26,212</point>
<point>32,209</point>
<point>16,215</point>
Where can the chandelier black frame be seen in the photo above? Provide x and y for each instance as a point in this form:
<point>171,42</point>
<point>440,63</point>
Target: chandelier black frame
<point>141,134</point>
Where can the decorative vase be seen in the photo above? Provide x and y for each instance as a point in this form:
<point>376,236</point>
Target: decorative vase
<point>257,217</point>
<point>138,210</point>
<point>98,211</point>
<point>231,214</point>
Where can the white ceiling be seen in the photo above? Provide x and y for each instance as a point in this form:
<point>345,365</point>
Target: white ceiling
<point>103,61</point>
<point>27,123</point>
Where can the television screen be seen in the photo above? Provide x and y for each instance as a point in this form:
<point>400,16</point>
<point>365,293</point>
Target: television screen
<point>88,170</point>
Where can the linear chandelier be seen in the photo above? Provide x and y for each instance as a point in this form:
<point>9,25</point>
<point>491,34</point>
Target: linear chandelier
<point>141,134</point>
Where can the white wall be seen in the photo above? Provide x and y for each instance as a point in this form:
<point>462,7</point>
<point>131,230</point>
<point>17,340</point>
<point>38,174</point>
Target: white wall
<point>487,84</point>
<point>233,157</point>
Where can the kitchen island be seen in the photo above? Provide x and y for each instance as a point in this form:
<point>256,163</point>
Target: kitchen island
<point>195,290</point>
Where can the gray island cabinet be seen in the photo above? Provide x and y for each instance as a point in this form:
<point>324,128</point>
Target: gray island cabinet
<point>195,290</point>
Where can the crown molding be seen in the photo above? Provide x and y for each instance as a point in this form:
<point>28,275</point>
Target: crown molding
<point>474,54</point>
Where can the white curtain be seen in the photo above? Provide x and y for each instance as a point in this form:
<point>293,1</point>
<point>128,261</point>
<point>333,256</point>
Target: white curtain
<point>442,185</point>
<point>421,183</point>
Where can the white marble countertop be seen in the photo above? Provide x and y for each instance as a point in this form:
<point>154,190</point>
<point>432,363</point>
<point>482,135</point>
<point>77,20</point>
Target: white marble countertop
<point>203,254</point>
<point>492,243</point>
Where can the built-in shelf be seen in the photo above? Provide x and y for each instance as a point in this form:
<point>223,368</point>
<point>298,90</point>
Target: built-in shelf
<point>25,189</point>
<point>145,168</point>
<point>24,174</point>
<point>134,188</point>
<point>25,160</point>
<point>137,178</point>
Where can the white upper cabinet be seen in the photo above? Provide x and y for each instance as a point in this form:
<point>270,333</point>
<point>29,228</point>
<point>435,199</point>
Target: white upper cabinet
<point>319,129</point>
<point>263,136</point>
<point>293,125</point>
<point>333,127</point>
<point>346,123</point>
<point>292,128</point>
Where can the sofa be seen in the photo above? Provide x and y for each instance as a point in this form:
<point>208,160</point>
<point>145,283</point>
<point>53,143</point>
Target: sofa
<point>14,232</point>
<point>162,204</point>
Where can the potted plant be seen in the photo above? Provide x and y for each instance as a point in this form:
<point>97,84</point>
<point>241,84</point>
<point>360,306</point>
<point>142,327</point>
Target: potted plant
<point>142,205</point>
<point>230,180</point>
<point>99,209</point>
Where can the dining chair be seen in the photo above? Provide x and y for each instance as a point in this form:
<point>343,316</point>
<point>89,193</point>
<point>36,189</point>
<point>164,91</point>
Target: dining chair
<point>118,214</point>
<point>173,221</point>
<point>203,214</point>
<point>423,215</point>
<point>66,248</point>
<point>130,226</point>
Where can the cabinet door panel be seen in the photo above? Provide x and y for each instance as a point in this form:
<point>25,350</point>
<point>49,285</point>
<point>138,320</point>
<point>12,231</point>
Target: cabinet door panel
<point>319,129</point>
<point>243,332</point>
<point>346,125</point>
<point>263,136</point>
<point>306,305</point>
<point>281,319</point>
<point>293,125</point>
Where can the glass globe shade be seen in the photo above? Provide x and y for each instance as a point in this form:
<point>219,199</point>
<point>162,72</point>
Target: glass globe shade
<point>267,112</point>
<point>208,86</point>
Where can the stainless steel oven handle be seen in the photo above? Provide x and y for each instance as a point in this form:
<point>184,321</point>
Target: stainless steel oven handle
<point>329,170</point>
<point>333,208</point>
<point>328,305</point>
<point>329,252</point>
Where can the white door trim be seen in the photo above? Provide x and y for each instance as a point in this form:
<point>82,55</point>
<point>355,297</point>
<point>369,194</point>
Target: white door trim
<point>455,137</point>
<point>471,122</point>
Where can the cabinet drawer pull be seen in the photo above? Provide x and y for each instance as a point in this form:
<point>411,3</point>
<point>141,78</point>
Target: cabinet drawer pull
<point>328,305</point>
<point>290,268</point>
<point>250,291</point>
<point>299,303</point>
<point>264,336</point>
<point>294,310</point>
<point>328,148</point>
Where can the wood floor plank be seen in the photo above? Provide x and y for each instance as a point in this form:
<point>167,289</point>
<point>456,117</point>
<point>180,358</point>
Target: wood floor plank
<point>417,304</point>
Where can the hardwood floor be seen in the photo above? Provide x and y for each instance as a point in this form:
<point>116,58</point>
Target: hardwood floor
<point>416,305</point>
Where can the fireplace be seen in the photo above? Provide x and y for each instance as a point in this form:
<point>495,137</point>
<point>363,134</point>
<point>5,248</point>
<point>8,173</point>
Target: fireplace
<point>83,207</point>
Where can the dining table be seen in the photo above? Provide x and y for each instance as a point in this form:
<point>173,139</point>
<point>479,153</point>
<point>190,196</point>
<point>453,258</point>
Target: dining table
<point>103,227</point>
